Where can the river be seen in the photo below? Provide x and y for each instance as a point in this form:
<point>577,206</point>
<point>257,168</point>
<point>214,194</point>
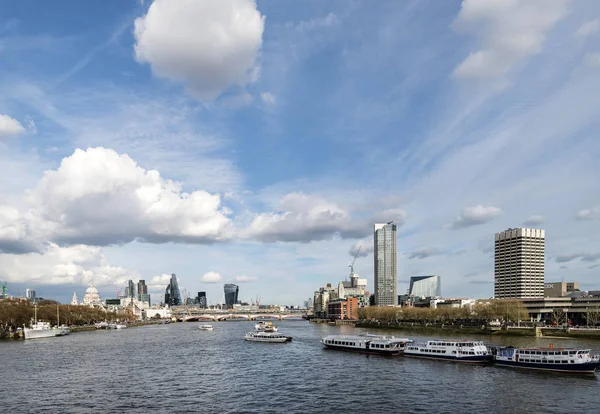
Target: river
<point>178,368</point>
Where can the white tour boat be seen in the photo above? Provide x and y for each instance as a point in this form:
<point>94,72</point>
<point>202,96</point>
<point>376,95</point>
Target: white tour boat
<point>365,343</point>
<point>263,326</point>
<point>272,337</point>
<point>206,327</point>
<point>43,329</point>
<point>572,360</point>
<point>461,350</point>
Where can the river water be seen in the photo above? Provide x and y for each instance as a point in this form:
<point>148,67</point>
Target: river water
<point>178,368</point>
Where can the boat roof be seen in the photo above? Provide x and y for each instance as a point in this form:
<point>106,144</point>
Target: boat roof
<point>552,349</point>
<point>453,340</point>
<point>368,337</point>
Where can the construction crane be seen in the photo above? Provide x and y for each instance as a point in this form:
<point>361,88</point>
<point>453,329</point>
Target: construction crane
<point>351,265</point>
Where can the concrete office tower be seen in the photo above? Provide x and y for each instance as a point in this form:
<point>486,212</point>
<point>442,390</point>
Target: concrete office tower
<point>231,294</point>
<point>386,265</point>
<point>519,263</point>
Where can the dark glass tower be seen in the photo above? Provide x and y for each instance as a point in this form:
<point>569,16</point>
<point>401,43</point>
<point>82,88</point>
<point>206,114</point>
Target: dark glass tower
<point>172,295</point>
<point>231,294</point>
<point>201,300</point>
<point>142,290</point>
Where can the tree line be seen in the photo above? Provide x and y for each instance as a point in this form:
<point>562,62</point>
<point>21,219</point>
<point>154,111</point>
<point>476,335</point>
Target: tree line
<point>16,313</point>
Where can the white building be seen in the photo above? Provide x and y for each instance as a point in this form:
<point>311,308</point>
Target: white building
<point>519,263</point>
<point>92,297</point>
<point>386,265</point>
<point>74,301</point>
<point>425,286</point>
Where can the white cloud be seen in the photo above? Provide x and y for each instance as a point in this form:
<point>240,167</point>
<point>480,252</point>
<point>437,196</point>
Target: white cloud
<point>211,277</point>
<point>588,28</point>
<point>592,59</point>
<point>99,197</point>
<point>158,284</point>
<point>589,213</point>
<point>268,98</point>
<point>9,126</point>
<point>208,45</point>
<point>534,220</point>
<point>307,217</point>
<point>473,216</point>
<point>57,265</point>
<point>244,279</point>
<point>509,31</point>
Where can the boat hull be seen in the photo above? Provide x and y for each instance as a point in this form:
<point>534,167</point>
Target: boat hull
<point>470,359</point>
<point>364,350</point>
<point>270,340</point>
<point>45,333</point>
<point>582,368</point>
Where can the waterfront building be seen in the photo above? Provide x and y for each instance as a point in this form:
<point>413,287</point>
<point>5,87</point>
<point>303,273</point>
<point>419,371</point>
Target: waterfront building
<point>425,286</point>
<point>385,265</point>
<point>558,289</point>
<point>343,308</point>
<point>202,300</point>
<point>91,297</point>
<point>519,256</point>
<point>172,295</point>
<point>231,294</point>
<point>309,303</point>
<point>321,299</point>
<point>30,294</point>
<point>74,301</point>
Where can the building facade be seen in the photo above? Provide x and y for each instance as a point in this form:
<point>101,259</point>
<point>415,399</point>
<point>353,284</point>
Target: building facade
<point>30,294</point>
<point>519,256</point>
<point>425,286</point>
<point>172,294</point>
<point>231,294</point>
<point>201,300</point>
<point>559,289</point>
<point>386,265</point>
<point>142,292</point>
<point>343,309</point>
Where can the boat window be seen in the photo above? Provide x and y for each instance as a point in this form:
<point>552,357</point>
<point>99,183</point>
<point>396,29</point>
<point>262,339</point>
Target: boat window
<point>571,352</point>
<point>544,353</point>
<point>565,352</point>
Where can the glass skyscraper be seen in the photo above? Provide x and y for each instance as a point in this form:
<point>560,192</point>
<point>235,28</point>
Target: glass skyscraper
<point>386,265</point>
<point>172,295</point>
<point>425,286</point>
<point>231,294</point>
<point>201,299</point>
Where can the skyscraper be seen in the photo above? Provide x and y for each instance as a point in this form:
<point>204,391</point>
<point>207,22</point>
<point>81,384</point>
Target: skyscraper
<point>425,286</point>
<point>519,263</point>
<point>386,265</point>
<point>130,291</point>
<point>172,295</point>
<point>201,299</point>
<point>142,292</point>
<point>231,294</point>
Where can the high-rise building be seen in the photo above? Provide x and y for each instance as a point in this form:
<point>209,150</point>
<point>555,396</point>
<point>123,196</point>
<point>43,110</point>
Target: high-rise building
<point>231,294</point>
<point>130,290</point>
<point>425,286</point>
<point>172,295</point>
<point>386,265</point>
<point>519,263</point>
<point>30,294</point>
<point>201,299</point>
<point>142,292</point>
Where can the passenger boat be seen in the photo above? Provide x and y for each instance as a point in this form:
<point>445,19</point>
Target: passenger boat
<point>572,360</point>
<point>272,337</point>
<point>266,327</point>
<point>365,343</point>
<point>40,329</point>
<point>206,327</point>
<point>460,350</point>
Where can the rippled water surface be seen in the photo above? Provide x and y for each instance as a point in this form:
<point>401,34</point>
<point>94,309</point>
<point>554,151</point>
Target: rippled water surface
<point>178,368</point>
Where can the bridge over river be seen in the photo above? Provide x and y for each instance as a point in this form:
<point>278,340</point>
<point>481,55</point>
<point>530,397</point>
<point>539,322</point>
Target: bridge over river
<point>189,315</point>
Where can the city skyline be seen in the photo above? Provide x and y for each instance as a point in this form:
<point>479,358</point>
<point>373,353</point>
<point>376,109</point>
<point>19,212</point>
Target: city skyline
<point>265,161</point>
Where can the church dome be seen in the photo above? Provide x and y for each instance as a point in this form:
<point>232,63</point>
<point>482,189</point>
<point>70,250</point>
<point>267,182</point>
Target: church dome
<point>91,297</point>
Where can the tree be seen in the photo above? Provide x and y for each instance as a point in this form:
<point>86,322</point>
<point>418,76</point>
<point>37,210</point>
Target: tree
<point>559,316</point>
<point>592,316</point>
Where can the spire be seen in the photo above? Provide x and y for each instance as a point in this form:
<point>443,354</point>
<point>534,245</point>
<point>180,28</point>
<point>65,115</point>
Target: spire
<point>74,301</point>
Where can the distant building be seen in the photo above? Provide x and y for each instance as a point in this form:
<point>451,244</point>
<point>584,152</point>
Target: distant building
<point>231,294</point>
<point>321,299</point>
<point>172,295</point>
<point>201,300</point>
<point>559,289</point>
<point>519,256</point>
<point>91,297</point>
<point>142,292</point>
<point>30,294</point>
<point>130,290</point>
<point>425,286</point>
<point>386,265</point>
<point>74,301</point>
<point>343,309</point>
<point>309,303</point>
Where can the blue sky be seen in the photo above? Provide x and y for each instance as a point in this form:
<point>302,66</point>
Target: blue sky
<point>258,142</point>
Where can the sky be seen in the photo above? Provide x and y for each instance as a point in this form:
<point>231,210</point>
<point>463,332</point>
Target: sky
<point>258,142</point>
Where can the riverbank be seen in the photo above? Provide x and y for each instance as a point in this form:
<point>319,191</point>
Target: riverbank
<point>481,330</point>
<point>79,328</point>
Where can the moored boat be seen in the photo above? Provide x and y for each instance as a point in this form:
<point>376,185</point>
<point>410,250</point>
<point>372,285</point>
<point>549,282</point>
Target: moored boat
<point>461,350</point>
<point>365,343</point>
<point>272,337</point>
<point>40,329</point>
<point>571,360</point>
<point>206,327</point>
